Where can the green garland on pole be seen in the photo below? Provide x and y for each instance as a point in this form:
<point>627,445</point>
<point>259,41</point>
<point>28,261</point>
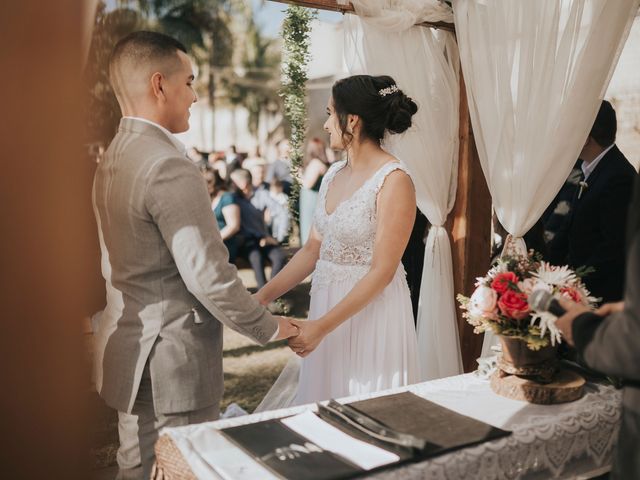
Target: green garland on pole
<point>295,32</point>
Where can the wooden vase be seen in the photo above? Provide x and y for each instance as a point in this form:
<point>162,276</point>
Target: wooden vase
<point>518,359</point>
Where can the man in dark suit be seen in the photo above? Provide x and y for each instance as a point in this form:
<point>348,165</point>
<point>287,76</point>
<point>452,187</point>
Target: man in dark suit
<point>593,234</point>
<point>607,340</point>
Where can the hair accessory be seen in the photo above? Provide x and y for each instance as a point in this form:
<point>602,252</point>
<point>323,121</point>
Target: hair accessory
<point>388,91</point>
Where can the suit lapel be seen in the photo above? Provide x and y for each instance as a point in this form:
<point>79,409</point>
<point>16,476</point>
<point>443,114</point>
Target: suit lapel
<point>593,179</point>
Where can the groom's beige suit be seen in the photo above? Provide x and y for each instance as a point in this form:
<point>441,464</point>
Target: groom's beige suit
<point>170,287</point>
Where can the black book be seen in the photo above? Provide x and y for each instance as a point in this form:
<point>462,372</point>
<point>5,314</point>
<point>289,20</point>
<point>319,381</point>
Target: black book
<point>405,424</point>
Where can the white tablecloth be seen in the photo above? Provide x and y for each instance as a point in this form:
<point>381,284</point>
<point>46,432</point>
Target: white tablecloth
<point>548,441</point>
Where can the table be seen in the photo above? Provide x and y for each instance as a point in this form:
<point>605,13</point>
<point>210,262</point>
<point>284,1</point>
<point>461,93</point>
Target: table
<point>571,440</point>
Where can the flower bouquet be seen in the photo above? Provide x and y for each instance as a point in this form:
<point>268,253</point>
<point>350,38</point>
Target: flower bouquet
<point>500,300</point>
<point>528,365</point>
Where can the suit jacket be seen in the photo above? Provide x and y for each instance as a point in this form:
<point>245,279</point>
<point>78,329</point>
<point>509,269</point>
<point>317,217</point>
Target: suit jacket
<point>610,345</point>
<point>168,280</point>
<point>594,232</point>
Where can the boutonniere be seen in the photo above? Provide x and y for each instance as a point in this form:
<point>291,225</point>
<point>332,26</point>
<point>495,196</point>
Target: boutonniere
<point>583,186</point>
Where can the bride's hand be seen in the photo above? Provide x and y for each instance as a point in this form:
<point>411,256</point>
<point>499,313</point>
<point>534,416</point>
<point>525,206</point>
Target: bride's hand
<point>259,297</point>
<point>311,334</point>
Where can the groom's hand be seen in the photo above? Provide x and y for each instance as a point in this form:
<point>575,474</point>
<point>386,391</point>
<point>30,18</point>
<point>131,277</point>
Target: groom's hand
<point>287,328</point>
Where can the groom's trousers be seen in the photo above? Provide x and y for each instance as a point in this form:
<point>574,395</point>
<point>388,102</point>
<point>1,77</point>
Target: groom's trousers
<point>138,431</point>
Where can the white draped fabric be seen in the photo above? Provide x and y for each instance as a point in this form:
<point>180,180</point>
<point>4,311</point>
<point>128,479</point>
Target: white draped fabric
<point>382,39</point>
<point>535,74</point>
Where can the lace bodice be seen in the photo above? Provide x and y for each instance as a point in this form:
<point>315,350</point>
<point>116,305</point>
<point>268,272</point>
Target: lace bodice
<point>348,233</point>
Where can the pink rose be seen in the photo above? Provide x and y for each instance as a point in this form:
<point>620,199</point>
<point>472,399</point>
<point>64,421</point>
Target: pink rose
<point>483,302</point>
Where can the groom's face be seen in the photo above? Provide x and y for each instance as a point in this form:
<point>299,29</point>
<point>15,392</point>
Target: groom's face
<point>179,94</point>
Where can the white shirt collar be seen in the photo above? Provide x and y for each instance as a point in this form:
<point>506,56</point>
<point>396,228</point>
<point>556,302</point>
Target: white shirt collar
<point>587,169</point>
<point>176,143</point>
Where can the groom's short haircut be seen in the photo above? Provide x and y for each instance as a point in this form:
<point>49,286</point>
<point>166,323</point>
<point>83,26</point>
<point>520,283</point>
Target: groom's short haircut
<point>142,51</point>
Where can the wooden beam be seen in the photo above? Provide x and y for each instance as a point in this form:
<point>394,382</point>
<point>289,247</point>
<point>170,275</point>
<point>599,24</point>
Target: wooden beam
<point>469,225</point>
<point>334,6</point>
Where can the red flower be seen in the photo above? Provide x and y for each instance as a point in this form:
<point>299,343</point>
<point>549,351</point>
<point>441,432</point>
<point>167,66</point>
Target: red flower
<point>514,305</point>
<point>501,281</point>
<point>571,294</point>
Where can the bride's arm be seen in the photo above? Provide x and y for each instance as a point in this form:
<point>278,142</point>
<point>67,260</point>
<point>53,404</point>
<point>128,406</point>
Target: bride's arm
<point>396,214</point>
<point>297,269</point>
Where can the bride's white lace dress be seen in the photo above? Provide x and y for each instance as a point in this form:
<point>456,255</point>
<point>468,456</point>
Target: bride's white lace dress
<point>374,350</point>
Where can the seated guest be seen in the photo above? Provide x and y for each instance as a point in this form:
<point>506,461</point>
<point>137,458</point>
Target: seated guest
<point>227,212</point>
<point>593,234</point>
<point>280,169</point>
<point>219,164</point>
<point>262,199</point>
<point>253,159</point>
<point>197,157</point>
<point>257,243</point>
<point>258,173</point>
<point>279,218</point>
<point>233,159</point>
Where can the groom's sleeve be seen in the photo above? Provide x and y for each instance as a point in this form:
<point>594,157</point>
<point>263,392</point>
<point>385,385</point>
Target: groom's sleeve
<point>177,199</point>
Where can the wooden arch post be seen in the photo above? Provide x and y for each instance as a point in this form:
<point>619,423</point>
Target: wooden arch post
<point>47,237</point>
<point>469,224</point>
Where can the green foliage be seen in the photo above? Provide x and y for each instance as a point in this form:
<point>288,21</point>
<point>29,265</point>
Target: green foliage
<point>201,25</point>
<point>583,271</point>
<point>103,112</point>
<point>256,87</point>
<point>295,32</point>
<point>235,62</point>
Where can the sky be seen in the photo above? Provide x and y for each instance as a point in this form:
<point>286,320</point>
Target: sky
<point>268,15</point>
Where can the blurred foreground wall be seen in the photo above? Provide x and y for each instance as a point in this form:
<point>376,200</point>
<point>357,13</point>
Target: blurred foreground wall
<point>47,245</point>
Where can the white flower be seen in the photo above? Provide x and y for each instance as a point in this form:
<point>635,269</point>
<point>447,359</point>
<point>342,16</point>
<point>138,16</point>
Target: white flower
<point>500,267</point>
<point>483,302</point>
<point>547,321</point>
<point>527,285</point>
<point>555,276</point>
<point>585,295</point>
<point>540,285</point>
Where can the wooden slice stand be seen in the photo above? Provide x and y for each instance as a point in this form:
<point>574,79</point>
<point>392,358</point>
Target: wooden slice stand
<point>565,386</point>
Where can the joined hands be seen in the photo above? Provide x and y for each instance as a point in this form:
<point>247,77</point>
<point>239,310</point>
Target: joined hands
<point>303,336</point>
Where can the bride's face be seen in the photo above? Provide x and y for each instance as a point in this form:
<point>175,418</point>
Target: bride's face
<point>332,127</point>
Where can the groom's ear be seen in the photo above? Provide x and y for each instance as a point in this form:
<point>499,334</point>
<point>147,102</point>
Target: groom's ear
<point>156,85</point>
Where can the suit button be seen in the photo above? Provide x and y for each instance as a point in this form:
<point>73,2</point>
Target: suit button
<point>196,316</point>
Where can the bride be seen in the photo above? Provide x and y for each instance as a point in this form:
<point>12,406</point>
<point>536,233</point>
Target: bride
<point>360,335</point>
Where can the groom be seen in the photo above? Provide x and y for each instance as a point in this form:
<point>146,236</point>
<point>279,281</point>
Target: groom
<point>169,284</point>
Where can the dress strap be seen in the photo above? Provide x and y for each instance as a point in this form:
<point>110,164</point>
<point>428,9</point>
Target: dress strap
<point>328,177</point>
<point>382,174</point>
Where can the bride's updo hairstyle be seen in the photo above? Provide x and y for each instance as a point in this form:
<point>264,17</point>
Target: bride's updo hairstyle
<point>379,103</point>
